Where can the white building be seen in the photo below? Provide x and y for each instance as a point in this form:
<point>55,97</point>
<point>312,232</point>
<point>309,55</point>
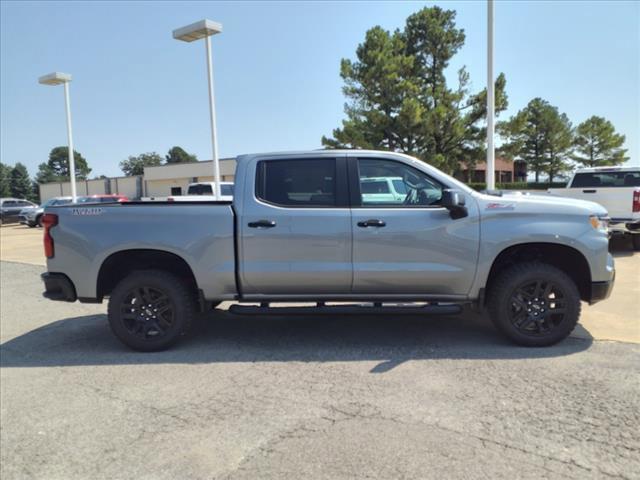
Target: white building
<point>173,178</point>
<point>160,181</point>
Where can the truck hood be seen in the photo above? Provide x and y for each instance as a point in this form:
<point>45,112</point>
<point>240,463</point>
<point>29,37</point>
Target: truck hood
<point>542,203</point>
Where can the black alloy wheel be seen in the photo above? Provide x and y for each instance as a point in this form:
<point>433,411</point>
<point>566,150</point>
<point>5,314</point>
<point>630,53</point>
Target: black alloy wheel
<point>150,310</point>
<point>537,307</point>
<point>534,304</point>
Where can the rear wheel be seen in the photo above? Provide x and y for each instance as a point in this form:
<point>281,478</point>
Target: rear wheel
<point>534,304</point>
<point>635,239</point>
<point>151,310</point>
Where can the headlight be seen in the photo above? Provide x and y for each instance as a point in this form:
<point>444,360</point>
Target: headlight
<point>600,222</point>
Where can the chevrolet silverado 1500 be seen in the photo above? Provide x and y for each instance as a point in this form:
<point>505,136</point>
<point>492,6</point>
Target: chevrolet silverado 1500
<point>301,230</point>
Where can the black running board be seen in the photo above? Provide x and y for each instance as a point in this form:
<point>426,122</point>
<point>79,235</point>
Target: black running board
<point>346,310</point>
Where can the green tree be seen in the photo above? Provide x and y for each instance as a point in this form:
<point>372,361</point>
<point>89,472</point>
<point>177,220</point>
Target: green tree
<point>5,181</point>
<point>540,136</point>
<point>46,174</point>
<point>597,144</point>
<point>35,192</point>
<point>59,164</point>
<point>399,99</point>
<point>20,183</point>
<point>178,155</point>
<point>134,165</point>
<point>559,143</point>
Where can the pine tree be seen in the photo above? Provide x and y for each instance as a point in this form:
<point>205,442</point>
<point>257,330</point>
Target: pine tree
<point>399,99</point>
<point>20,183</point>
<point>597,143</point>
<point>59,164</point>
<point>540,136</point>
<point>179,155</point>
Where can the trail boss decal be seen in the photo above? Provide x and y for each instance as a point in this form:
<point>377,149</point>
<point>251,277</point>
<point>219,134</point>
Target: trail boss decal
<point>500,206</point>
<point>87,211</point>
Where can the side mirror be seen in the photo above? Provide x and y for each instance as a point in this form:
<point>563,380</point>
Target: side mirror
<point>454,201</point>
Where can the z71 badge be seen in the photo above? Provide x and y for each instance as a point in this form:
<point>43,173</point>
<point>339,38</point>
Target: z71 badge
<point>87,211</point>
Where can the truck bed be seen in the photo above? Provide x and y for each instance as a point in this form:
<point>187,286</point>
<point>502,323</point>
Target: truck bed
<point>201,233</point>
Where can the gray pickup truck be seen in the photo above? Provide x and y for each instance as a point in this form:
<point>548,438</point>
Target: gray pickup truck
<point>300,231</point>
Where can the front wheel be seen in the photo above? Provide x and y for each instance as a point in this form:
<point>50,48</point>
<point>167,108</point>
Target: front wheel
<point>635,240</point>
<point>534,304</point>
<point>150,310</point>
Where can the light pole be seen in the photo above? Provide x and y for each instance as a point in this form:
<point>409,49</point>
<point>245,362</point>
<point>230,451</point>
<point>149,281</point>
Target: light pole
<point>205,29</point>
<point>491,153</point>
<point>57,78</point>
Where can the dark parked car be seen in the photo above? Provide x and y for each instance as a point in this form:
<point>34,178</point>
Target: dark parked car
<point>10,209</point>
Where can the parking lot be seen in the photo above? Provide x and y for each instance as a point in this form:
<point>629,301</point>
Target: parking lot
<point>313,397</point>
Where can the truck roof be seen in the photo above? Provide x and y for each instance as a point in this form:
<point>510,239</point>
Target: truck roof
<point>607,169</point>
<point>322,151</point>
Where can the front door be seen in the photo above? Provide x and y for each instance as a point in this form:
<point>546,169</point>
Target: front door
<point>408,244</point>
<point>296,232</point>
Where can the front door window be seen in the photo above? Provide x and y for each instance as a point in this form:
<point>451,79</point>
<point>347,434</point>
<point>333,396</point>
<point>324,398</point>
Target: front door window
<point>387,183</point>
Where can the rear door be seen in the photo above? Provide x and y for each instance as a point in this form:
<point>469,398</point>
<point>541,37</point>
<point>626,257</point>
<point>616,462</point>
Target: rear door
<point>296,228</point>
<point>409,245</point>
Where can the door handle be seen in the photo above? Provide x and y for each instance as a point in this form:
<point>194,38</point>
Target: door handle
<point>262,224</point>
<point>372,223</point>
<point>588,191</point>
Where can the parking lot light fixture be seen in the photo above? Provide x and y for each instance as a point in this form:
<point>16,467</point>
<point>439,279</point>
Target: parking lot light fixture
<point>204,29</point>
<point>53,79</point>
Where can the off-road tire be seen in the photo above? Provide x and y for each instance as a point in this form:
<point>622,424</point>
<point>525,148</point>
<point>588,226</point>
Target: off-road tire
<point>503,297</point>
<point>182,308</point>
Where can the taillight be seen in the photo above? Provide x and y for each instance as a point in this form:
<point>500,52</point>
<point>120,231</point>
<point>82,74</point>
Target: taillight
<point>636,201</point>
<point>49,220</point>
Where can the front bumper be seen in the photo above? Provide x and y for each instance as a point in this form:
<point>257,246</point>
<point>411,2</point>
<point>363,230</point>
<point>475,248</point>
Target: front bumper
<point>601,290</point>
<point>58,287</point>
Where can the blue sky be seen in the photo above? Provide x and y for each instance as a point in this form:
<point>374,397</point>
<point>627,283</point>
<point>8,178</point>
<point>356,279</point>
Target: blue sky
<point>276,66</point>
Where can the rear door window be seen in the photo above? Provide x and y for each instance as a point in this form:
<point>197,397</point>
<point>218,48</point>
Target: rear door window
<point>606,179</point>
<point>226,190</point>
<point>297,183</point>
<point>374,186</point>
<point>200,189</point>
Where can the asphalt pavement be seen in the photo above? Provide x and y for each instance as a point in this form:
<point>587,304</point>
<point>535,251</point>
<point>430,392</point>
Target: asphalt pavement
<point>306,398</point>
